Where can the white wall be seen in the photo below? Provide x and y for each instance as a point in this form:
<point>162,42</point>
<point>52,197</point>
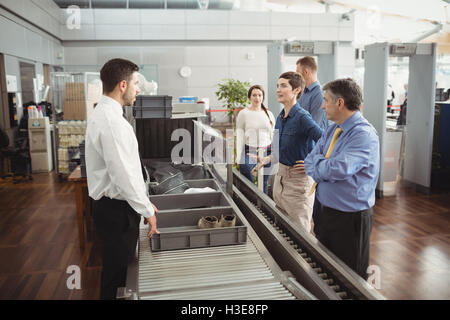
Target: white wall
<point>142,24</point>
<point>43,13</point>
<point>23,39</point>
<point>345,60</point>
<point>215,44</point>
<point>210,63</point>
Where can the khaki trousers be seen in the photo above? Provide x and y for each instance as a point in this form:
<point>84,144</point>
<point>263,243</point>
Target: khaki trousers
<point>290,193</point>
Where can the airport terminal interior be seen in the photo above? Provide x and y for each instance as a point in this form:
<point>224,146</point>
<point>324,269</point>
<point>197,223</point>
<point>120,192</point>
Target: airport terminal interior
<point>230,226</point>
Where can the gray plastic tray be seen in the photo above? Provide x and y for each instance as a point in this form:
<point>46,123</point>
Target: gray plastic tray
<point>202,183</point>
<point>179,230</point>
<point>189,201</point>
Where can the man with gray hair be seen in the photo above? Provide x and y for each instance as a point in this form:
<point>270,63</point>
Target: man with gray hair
<point>345,165</point>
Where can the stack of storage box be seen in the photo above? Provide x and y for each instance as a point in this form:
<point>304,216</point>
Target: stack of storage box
<point>70,134</point>
<point>75,101</point>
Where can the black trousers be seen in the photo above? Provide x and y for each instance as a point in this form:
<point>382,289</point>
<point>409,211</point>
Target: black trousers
<point>117,224</point>
<point>315,214</point>
<point>346,234</point>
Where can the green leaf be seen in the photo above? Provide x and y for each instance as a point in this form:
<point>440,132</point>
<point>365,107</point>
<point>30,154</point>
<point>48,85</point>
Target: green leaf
<point>233,93</point>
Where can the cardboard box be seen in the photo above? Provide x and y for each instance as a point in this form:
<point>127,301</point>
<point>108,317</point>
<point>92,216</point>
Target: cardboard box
<point>74,110</point>
<point>76,106</point>
<point>74,91</point>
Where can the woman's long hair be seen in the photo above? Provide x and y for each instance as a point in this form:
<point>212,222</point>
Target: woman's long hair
<point>257,86</point>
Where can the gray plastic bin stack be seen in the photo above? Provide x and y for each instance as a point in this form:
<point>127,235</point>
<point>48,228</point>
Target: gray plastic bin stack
<point>150,107</point>
<point>179,214</point>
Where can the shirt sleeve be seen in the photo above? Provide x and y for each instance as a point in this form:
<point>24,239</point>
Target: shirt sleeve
<point>240,135</point>
<point>315,152</point>
<point>124,167</point>
<point>316,110</point>
<point>310,127</point>
<point>352,157</point>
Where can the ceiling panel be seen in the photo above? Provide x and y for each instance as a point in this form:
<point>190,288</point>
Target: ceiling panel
<point>66,3</point>
<point>146,4</point>
<point>120,4</point>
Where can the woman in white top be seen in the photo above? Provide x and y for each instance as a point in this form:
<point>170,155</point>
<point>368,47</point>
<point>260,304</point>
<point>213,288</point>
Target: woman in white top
<point>254,130</point>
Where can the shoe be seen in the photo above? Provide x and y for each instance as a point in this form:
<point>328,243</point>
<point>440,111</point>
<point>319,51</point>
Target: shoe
<point>227,221</point>
<point>208,222</point>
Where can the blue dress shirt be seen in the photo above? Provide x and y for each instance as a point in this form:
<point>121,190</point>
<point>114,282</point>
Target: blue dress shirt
<point>347,180</point>
<point>312,100</point>
<point>295,135</point>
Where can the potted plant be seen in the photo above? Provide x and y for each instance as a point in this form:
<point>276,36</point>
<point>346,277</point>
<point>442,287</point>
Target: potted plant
<point>233,93</point>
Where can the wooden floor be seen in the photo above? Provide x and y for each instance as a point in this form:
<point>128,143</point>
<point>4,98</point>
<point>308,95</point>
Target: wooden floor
<point>39,241</point>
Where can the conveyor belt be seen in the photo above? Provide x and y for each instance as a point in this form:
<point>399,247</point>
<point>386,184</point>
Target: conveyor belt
<point>224,272</point>
<point>279,261</point>
<point>327,278</point>
<point>314,266</point>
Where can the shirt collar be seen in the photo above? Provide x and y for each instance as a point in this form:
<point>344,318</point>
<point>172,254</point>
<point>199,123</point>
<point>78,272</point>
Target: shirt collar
<point>350,122</point>
<point>105,100</point>
<point>292,112</point>
<point>313,85</point>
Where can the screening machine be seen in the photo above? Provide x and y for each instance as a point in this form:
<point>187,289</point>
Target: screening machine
<point>264,256</point>
<point>277,260</point>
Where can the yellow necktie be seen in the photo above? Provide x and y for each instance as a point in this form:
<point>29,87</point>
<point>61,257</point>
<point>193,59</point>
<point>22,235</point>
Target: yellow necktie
<point>336,135</point>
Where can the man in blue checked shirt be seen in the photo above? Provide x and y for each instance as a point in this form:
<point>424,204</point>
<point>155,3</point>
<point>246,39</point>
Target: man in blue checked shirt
<point>312,97</point>
<point>346,172</point>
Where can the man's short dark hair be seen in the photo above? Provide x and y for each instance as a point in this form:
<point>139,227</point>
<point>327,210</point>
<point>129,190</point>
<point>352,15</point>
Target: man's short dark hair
<point>114,71</point>
<point>348,90</point>
<point>308,62</point>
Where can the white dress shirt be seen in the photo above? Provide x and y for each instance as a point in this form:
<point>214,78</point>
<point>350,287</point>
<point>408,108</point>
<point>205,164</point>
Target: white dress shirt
<point>113,166</point>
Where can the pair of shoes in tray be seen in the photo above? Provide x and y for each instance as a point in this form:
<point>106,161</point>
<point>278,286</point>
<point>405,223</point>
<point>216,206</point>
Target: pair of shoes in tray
<point>212,222</point>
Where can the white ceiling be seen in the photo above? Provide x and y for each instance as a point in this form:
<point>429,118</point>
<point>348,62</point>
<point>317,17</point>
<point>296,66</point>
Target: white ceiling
<point>433,10</point>
<point>379,20</point>
<point>375,20</point>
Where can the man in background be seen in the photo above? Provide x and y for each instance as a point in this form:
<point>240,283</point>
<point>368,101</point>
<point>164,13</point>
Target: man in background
<point>312,98</point>
<point>312,101</point>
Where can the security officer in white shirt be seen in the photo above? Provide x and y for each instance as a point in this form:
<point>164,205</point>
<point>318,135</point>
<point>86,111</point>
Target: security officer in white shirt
<point>114,174</point>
